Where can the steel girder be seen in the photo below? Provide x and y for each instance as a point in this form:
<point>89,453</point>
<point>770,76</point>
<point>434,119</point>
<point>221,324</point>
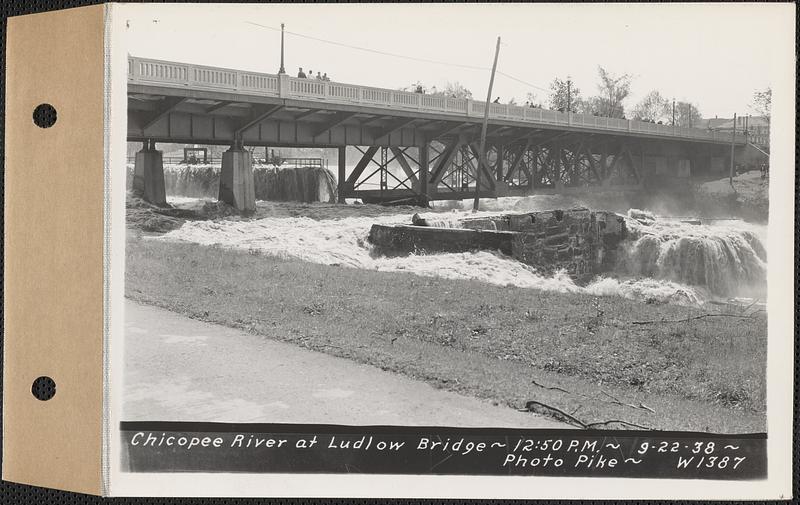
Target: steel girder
<point>520,166</point>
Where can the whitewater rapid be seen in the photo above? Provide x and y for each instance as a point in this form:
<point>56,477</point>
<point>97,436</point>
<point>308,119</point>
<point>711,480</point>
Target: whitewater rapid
<point>726,257</point>
<point>661,260</point>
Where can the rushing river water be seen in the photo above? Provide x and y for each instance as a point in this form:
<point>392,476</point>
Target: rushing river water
<point>665,259</point>
<point>286,184</point>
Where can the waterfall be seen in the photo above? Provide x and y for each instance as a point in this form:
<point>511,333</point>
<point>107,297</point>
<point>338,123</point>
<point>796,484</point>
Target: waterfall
<point>298,184</point>
<point>726,259</point>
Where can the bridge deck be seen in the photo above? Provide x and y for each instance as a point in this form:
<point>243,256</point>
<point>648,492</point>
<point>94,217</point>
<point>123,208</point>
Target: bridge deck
<point>197,78</point>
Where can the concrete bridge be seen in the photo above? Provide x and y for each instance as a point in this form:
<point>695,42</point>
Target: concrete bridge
<point>433,139</point>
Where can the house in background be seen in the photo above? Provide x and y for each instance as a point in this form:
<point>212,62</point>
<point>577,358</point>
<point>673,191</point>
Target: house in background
<point>709,123</point>
<point>757,128</point>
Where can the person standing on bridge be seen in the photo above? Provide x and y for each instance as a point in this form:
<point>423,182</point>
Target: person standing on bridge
<point>319,76</point>
<point>497,100</point>
<point>301,74</point>
<point>325,77</point>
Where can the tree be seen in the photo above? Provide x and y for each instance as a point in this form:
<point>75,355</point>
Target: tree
<point>417,87</point>
<point>651,107</point>
<point>686,114</point>
<point>563,96</point>
<point>762,103</point>
<point>532,101</point>
<point>457,90</point>
<point>451,90</point>
<point>596,106</point>
<point>613,91</point>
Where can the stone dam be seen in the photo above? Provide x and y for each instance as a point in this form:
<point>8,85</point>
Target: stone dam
<point>581,242</point>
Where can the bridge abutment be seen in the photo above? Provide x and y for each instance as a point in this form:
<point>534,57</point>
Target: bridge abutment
<point>148,174</point>
<point>236,183</point>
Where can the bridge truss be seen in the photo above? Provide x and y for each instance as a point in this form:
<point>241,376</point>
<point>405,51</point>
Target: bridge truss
<point>446,168</point>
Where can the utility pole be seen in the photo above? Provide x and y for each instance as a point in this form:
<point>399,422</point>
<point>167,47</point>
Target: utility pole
<point>569,95</point>
<point>482,162</point>
<point>733,144</point>
<point>746,127</point>
<point>282,69</point>
<point>673,112</point>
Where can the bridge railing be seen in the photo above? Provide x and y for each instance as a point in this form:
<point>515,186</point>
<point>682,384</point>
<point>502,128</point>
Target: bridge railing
<point>760,139</point>
<point>165,72</point>
<point>148,71</point>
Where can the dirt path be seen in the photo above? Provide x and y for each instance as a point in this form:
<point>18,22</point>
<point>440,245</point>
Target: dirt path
<point>180,369</point>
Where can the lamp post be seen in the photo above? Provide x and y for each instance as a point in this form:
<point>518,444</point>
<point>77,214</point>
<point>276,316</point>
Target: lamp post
<point>282,69</point>
<point>673,112</point>
<point>569,94</point>
<point>746,127</point>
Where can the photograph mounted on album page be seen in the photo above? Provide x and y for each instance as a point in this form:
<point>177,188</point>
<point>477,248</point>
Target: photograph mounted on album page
<point>412,250</point>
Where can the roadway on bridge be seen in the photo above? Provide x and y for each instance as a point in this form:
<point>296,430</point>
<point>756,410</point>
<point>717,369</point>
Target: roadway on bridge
<point>180,369</point>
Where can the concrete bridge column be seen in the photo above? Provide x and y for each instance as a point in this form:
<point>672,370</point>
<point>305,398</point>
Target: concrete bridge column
<point>236,184</point>
<point>423,173</point>
<point>342,177</point>
<point>500,185</point>
<point>148,174</point>
<point>557,164</point>
<point>499,165</point>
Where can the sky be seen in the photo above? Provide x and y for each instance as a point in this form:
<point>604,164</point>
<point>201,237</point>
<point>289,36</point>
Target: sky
<point>713,55</point>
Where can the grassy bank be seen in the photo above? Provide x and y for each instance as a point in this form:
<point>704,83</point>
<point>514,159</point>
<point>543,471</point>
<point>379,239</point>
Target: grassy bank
<point>748,197</point>
<point>583,355</point>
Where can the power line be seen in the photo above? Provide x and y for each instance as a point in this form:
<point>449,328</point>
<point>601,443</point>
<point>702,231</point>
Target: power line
<point>471,67</point>
<point>395,55</point>
<point>522,82</point>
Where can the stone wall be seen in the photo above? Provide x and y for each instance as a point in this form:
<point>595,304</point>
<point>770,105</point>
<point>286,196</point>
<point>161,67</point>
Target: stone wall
<point>579,241</point>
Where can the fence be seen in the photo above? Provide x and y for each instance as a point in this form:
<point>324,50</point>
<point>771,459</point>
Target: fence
<point>174,160</point>
<point>278,161</point>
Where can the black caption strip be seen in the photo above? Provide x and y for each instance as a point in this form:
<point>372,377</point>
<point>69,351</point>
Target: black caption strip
<point>290,448</point>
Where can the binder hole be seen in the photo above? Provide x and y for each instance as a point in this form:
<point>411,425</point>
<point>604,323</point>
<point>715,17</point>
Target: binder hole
<point>44,388</point>
<point>44,115</point>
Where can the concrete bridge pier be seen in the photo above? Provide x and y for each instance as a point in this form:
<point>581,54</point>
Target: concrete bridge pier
<point>341,176</point>
<point>236,183</point>
<point>424,172</point>
<point>148,174</point>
